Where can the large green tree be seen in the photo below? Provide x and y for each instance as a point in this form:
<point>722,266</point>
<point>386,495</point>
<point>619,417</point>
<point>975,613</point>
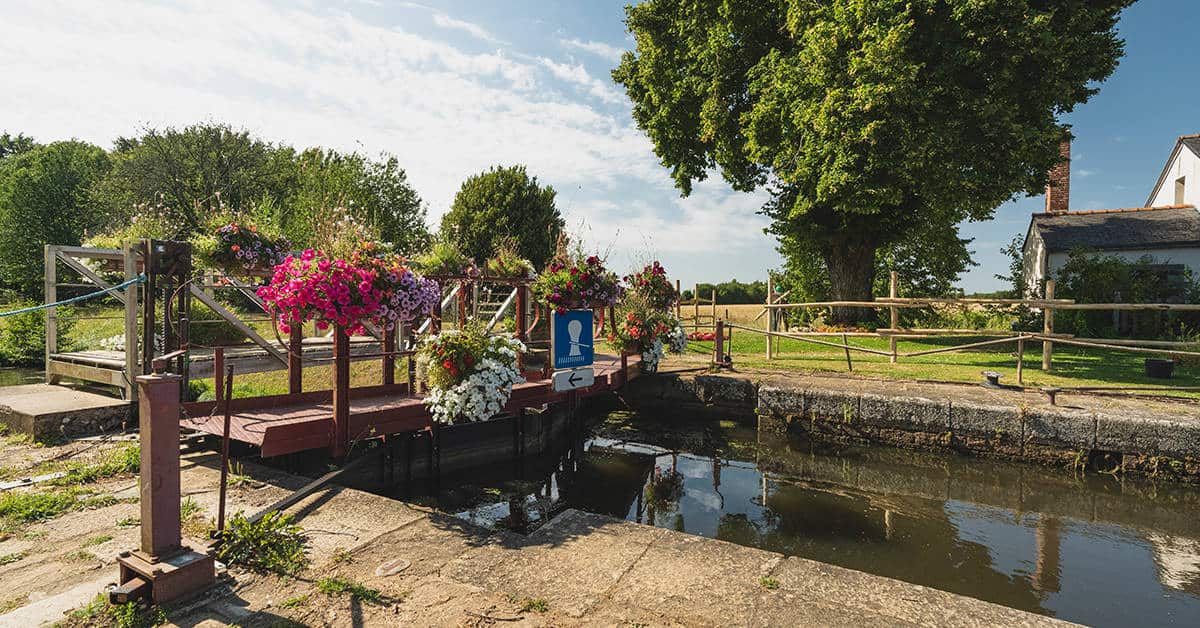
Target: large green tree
<point>192,169</point>
<point>867,120</point>
<point>45,199</point>
<point>13,144</point>
<point>374,191</point>
<point>504,202</point>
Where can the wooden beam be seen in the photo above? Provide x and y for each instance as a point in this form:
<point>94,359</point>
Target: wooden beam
<point>242,327</point>
<point>87,272</point>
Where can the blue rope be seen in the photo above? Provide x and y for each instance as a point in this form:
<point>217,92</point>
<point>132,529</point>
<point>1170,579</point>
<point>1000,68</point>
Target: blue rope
<point>34,308</point>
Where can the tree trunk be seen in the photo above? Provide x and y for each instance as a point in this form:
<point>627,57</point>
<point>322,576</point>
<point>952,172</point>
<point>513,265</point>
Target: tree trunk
<point>851,265</point>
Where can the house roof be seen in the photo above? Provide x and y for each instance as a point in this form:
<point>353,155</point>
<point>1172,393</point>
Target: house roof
<point>1171,226</point>
<point>1192,143</point>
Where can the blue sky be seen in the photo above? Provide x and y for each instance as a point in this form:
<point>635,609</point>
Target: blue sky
<point>454,87</point>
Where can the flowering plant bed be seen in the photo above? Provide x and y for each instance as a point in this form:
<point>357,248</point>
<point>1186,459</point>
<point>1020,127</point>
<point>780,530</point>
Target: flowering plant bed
<point>507,264</point>
<point>240,248</point>
<point>470,374</point>
<point>652,285</point>
<point>704,336</point>
<point>445,259</point>
<point>566,285</point>
<point>367,288</point>
<point>648,332</point>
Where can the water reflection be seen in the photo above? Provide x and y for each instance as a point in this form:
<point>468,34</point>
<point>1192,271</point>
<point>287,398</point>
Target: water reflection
<point>1092,550</point>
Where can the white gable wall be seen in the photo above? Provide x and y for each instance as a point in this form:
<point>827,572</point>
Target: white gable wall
<point>1189,257</point>
<point>1184,164</point>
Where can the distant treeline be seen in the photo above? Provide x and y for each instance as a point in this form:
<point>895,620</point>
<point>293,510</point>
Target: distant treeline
<point>732,292</point>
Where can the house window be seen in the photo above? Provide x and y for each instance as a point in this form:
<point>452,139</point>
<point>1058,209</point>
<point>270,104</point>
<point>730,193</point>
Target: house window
<point>1179,190</point>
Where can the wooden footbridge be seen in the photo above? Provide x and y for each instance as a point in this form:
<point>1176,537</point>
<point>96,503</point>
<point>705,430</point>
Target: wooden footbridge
<point>157,340</point>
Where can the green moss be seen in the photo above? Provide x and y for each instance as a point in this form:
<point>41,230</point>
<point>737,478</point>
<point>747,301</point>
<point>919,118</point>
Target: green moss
<point>341,586</point>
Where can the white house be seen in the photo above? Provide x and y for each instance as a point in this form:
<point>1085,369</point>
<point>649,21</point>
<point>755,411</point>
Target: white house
<point>1167,228</point>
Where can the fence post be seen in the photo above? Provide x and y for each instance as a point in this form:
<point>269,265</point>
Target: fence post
<point>892,292</point>
<point>51,278</point>
<point>678,301</point>
<point>770,313</point>
<point>1048,326</point>
<point>296,359</point>
<point>389,354</point>
<point>714,308</point>
<point>1021,360</point>
<point>341,392</point>
<point>718,342</point>
<point>522,334</point>
<point>219,373</point>
<point>696,308</point>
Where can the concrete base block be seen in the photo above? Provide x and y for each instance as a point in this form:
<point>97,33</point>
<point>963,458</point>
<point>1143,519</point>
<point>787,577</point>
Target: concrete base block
<point>906,413</point>
<point>781,401</point>
<point>171,577</point>
<point>1062,428</point>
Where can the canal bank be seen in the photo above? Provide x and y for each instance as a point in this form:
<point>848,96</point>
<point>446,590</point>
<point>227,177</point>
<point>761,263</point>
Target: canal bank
<point>434,569</point>
<point>1158,438</point>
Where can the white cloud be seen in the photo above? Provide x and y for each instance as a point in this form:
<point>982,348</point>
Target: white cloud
<point>1083,172</point>
<point>472,29</point>
<point>598,48</point>
<point>310,76</point>
<point>578,75</point>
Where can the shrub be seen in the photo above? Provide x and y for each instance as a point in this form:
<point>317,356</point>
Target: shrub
<point>273,544</point>
<point>207,328</point>
<point>23,336</point>
<point>445,258</point>
<point>236,245</point>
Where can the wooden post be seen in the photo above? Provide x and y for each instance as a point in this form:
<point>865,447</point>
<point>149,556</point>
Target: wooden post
<point>462,304</point>
<point>341,392</point>
<point>729,333</point>
<point>51,287</point>
<point>295,364</point>
<point>1048,326</point>
<point>696,308</point>
<point>228,410</point>
<point>406,334</point>
<point>131,315</point>
<point>148,306</point>
<point>218,373</point>
<point>714,308</point>
<point>1021,361</point>
<point>435,320</point>
<point>678,301</point>
<point>846,345</point>
<point>719,343</point>
<point>770,313</point>
<point>389,355</point>
<point>895,315</point>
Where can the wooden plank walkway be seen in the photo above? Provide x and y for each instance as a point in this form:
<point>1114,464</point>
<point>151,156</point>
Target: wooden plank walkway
<point>283,424</point>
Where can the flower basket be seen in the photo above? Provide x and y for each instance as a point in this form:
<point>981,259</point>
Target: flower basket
<point>346,293</point>
<point>240,249</point>
<point>576,285</point>
<point>651,285</point>
<point>470,374</point>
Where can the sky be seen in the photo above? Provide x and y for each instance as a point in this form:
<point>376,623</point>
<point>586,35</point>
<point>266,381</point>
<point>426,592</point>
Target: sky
<point>455,87</point>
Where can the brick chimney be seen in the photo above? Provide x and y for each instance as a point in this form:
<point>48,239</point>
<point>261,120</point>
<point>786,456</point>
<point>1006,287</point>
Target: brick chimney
<point>1058,189</point>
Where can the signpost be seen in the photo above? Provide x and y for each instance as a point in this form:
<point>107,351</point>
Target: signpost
<point>571,350</point>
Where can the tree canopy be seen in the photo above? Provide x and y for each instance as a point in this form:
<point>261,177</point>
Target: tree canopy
<point>44,199</point>
<point>504,203</point>
<point>868,122</point>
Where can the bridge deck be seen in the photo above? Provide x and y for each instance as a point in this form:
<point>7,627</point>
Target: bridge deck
<point>283,424</point>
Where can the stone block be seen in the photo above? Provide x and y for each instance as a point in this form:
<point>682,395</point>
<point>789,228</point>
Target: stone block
<point>780,401</point>
<point>986,421</point>
<point>1148,435</point>
<point>1063,428</point>
<point>832,405</point>
<point>718,389</point>
<point>907,413</point>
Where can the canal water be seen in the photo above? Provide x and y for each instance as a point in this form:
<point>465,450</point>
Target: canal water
<point>13,376</point>
<point>1100,550</point>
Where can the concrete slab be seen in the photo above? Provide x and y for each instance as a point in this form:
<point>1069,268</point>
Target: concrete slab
<point>48,410</point>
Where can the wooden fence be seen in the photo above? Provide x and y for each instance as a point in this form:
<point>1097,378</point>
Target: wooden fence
<point>706,319</point>
<point>893,303</point>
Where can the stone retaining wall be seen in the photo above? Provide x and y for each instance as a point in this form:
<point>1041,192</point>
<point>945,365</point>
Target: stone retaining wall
<point>1118,440</point>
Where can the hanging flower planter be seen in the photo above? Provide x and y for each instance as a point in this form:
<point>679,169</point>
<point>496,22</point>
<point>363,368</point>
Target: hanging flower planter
<point>239,248</point>
<point>566,285</point>
<point>347,293</point>
<point>648,332</point>
<point>651,284</point>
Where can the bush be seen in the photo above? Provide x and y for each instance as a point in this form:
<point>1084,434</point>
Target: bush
<point>445,258</point>
<point>215,333</point>
<point>23,336</point>
<point>1088,277</point>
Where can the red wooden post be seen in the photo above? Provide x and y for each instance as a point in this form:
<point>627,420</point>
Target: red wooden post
<point>162,563</point>
<point>296,359</point>
<point>389,357</point>
<point>219,373</point>
<point>341,392</point>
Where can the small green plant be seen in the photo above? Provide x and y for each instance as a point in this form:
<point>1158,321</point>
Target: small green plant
<point>14,603</point>
<point>293,602</point>
<point>188,508</point>
<point>97,540</point>
<point>341,586</point>
<point>121,461</point>
<point>768,582</point>
<point>129,615</point>
<point>129,522</point>
<point>28,507</point>
<point>273,544</point>
<point>80,556</point>
<point>237,475</point>
<point>9,559</point>
<point>536,605</point>
<point>341,555</point>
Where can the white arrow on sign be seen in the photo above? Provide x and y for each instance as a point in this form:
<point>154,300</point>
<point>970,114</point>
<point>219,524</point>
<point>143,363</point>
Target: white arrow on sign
<point>573,379</point>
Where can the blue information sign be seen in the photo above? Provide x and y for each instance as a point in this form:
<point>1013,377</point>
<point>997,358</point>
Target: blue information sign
<point>571,339</point>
